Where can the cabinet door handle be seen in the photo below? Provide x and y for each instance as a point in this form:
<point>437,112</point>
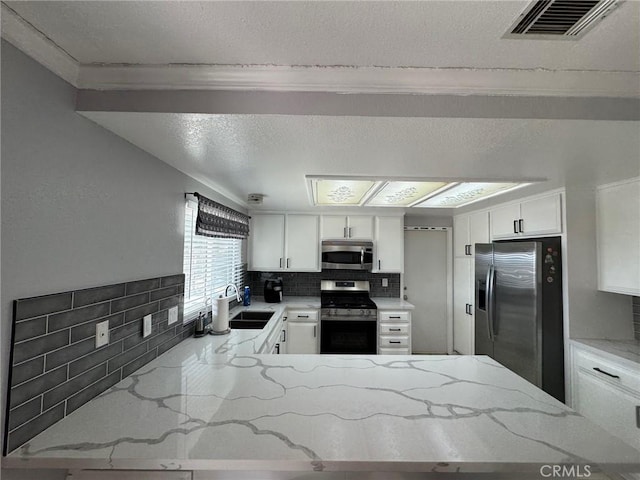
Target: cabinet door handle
<point>395,329</point>
<point>277,348</point>
<point>379,264</point>
<point>288,262</point>
<point>303,316</point>
<point>638,416</point>
<point>466,308</point>
<point>515,226</point>
<point>606,373</point>
<point>521,226</point>
<point>391,316</point>
<point>280,262</point>
<point>394,341</point>
<point>344,233</point>
<point>314,331</point>
<point>283,337</point>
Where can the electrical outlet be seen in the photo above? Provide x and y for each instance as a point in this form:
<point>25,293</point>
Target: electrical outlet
<point>146,326</point>
<point>102,333</point>
<point>173,315</point>
<point>385,282</point>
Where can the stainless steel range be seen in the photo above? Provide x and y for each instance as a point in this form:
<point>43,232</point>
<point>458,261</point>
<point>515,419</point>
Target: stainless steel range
<point>348,317</point>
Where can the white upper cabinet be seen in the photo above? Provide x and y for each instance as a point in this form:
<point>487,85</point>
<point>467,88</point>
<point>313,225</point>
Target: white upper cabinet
<point>463,326</point>
<point>284,242</point>
<point>538,216</point>
<point>469,230</point>
<point>618,230</point>
<point>302,244</point>
<point>355,227</point>
<point>266,242</point>
<point>389,245</point>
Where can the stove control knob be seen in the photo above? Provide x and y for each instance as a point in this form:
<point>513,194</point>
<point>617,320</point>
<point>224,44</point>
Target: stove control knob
<point>362,314</point>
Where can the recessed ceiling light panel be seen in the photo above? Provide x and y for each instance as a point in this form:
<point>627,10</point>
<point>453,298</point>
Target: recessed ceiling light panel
<point>402,194</point>
<point>466,193</point>
<point>341,192</point>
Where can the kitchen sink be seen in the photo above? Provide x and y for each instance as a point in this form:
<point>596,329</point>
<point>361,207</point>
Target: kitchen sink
<point>249,319</point>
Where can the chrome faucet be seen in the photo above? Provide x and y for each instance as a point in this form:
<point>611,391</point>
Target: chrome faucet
<point>236,289</point>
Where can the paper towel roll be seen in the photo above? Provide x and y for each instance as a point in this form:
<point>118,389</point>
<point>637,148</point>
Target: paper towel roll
<point>221,321</point>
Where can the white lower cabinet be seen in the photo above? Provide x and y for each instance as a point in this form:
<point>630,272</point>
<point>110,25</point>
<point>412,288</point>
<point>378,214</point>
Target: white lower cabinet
<point>394,332</point>
<point>303,331</point>
<point>608,394</point>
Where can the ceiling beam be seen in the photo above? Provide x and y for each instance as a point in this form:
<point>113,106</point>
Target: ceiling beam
<point>366,104</point>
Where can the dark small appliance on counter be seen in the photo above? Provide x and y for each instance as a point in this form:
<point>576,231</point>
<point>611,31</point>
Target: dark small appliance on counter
<point>273,290</point>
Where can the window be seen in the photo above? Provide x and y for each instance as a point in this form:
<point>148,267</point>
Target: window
<point>210,264</point>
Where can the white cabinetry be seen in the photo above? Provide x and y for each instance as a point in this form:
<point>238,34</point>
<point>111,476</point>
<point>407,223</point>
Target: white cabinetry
<point>468,230</point>
<point>280,242</point>
<point>618,220</point>
<point>463,325</point>
<point>356,227</point>
<point>608,393</point>
<point>389,245</point>
<point>537,216</point>
<point>266,242</point>
<point>302,331</point>
<point>394,332</point>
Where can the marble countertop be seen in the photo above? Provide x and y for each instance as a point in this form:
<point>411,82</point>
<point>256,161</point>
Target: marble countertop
<point>627,351</point>
<point>251,341</point>
<point>392,303</point>
<point>193,409</point>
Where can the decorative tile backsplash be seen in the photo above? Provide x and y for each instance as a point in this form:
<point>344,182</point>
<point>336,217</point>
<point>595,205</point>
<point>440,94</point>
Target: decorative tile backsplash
<point>296,284</point>
<point>636,317</point>
<point>55,366</point>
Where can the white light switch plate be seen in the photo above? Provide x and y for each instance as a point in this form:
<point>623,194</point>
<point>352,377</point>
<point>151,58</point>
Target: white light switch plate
<point>146,326</point>
<point>102,333</point>
<point>385,282</point>
<point>173,315</point>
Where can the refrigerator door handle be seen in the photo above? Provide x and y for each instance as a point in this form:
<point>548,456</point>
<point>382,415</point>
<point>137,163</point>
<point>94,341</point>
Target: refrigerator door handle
<point>489,296</point>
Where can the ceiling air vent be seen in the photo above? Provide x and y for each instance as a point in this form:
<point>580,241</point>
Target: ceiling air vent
<point>560,19</point>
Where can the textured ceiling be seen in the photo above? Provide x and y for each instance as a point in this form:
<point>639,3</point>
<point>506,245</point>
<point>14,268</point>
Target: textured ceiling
<point>419,34</point>
<point>271,154</point>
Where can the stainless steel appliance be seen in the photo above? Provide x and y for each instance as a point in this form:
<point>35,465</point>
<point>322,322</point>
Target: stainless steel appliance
<point>518,309</point>
<point>348,318</point>
<point>273,290</point>
<point>347,255</point>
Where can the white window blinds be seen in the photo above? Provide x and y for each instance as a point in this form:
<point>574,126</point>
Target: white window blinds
<point>210,264</point>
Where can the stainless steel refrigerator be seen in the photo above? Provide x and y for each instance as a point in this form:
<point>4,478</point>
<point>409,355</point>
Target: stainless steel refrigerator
<point>518,309</point>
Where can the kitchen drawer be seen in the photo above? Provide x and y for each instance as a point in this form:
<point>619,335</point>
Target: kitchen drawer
<point>388,341</point>
<point>607,370</point>
<point>302,315</point>
<point>394,316</point>
<point>394,329</point>
<point>393,351</point>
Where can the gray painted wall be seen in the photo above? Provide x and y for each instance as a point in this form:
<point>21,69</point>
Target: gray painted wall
<point>592,314</point>
<point>81,207</point>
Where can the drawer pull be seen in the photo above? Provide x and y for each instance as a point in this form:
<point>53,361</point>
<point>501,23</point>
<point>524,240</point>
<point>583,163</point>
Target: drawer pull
<point>395,329</point>
<point>394,341</point>
<point>606,373</point>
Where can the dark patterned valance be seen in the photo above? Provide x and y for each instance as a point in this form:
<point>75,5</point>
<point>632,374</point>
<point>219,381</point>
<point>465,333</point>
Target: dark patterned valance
<point>216,220</point>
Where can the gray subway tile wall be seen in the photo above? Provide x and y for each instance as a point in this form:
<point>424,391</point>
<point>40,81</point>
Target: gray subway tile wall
<point>636,317</point>
<point>55,367</point>
<point>296,284</point>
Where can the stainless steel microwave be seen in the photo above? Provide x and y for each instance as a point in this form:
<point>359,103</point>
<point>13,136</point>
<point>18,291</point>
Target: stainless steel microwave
<point>347,255</point>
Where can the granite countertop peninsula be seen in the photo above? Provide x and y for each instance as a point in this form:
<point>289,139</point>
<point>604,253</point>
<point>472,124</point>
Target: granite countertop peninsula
<point>626,351</point>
